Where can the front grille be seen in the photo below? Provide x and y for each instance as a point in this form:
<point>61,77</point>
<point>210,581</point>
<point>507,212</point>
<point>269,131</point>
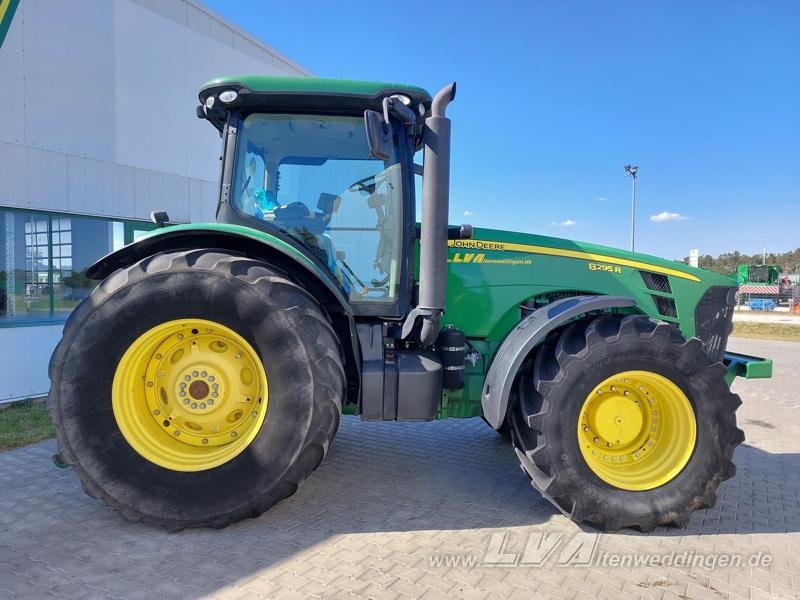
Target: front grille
<point>713,319</point>
<point>656,282</point>
<point>665,306</point>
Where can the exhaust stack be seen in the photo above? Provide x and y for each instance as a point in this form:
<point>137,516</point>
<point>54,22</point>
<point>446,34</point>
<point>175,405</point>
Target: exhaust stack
<point>435,208</point>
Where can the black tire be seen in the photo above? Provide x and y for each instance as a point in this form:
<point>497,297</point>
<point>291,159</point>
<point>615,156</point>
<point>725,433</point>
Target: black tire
<point>553,387</point>
<point>284,325</point>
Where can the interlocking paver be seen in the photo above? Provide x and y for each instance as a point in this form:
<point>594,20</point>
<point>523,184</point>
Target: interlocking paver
<point>391,500</point>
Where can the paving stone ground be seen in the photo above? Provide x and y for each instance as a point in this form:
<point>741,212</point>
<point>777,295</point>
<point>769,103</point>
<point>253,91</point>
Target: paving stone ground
<point>424,510</point>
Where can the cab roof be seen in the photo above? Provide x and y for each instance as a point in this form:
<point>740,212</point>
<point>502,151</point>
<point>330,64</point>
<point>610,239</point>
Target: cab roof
<point>310,93</point>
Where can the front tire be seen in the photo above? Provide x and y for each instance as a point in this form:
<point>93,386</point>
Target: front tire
<point>196,388</point>
<point>622,422</point>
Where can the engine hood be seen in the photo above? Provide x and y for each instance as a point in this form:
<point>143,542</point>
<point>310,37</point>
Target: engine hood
<point>514,245</point>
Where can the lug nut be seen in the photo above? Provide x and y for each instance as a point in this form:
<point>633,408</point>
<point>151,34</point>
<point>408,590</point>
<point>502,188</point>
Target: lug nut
<point>202,405</point>
<point>186,400</point>
<point>210,402</point>
<point>211,378</point>
<point>194,404</point>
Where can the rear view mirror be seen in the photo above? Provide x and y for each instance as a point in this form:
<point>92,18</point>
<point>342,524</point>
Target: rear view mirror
<point>379,135</point>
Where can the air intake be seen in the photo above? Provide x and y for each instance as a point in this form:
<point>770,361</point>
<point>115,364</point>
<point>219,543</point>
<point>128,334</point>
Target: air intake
<point>665,306</point>
<point>656,282</point>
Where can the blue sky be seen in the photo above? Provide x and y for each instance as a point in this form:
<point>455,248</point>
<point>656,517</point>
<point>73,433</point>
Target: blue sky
<point>554,98</point>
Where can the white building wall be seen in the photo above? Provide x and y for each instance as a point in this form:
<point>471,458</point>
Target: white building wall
<point>98,119</point>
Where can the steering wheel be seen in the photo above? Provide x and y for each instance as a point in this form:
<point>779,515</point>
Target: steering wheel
<point>368,184</point>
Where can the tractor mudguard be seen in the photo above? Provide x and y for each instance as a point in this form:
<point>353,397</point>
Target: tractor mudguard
<point>523,338</point>
<point>237,238</point>
<point>280,254</point>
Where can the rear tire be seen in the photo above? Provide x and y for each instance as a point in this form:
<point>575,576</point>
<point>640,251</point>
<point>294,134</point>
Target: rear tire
<point>283,325</point>
<point>549,418</point>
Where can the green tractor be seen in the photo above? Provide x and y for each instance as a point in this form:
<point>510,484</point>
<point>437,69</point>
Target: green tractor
<point>205,376</point>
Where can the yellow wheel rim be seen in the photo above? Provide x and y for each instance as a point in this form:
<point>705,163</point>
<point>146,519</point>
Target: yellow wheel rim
<point>637,430</point>
<point>190,394</point>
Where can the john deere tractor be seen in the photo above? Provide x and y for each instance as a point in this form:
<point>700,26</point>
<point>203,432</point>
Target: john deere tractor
<point>205,376</point>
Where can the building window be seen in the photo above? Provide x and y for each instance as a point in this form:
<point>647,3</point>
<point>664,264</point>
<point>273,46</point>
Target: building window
<point>44,257</point>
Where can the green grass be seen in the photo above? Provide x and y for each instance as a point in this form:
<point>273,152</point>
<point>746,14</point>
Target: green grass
<point>24,423</point>
<point>767,331</point>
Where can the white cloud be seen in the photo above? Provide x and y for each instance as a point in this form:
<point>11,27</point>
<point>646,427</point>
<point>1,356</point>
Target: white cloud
<point>468,213</point>
<point>567,223</point>
<point>665,216</point>
<point>602,199</point>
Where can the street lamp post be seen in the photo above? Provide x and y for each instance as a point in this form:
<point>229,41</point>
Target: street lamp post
<point>631,170</point>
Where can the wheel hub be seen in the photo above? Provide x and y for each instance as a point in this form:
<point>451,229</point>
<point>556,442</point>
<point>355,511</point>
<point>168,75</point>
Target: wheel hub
<point>204,392</point>
<point>636,430</point>
<point>616,418</point>
<point>198,390</point>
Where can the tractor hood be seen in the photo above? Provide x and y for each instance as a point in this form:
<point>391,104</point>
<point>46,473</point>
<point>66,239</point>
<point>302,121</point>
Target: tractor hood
<point>513,245</point>
<point>495,273</point>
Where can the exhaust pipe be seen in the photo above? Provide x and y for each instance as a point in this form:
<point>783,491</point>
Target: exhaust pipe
<point>435,208</point>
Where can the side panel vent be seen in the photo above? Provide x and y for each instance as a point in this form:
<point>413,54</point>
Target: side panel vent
<point>656,282</point>
<point>665,307</point>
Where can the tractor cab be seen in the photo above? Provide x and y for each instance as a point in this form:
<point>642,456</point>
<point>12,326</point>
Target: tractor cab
<point>299,162</point>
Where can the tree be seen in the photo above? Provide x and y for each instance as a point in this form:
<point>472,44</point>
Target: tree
<point>727,263</point>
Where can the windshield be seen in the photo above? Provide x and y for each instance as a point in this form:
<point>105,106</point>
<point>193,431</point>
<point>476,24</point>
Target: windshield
<point>313,177</point>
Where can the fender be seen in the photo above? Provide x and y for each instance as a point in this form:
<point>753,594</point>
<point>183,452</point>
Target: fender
<point>237,238</point>
<point>524,338</point>
<point>282,254</point>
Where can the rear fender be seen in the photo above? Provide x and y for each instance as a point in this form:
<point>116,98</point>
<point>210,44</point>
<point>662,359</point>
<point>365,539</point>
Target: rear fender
<point>297,265</point>
<point>236,238</point>
<point>530,332</point>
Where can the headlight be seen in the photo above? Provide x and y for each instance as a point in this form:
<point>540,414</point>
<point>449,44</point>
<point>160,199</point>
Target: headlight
<point>228,96</point>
